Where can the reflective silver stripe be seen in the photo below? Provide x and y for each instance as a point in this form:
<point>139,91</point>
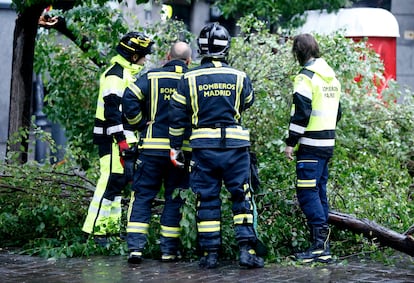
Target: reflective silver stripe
<point>117,92</point>
<point>209,133</point>
<point>114,129</point>
<point>203,40</point>
<point>296,128</point>
<point>324,113</point>
<point>129,134</point>
<point>315,142</point>
<point>98,130</point>
<point>304,91</point>
<point>101,104</point>
<point>220,42</point>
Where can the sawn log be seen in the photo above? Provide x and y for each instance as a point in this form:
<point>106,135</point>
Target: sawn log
<point>386,237</point>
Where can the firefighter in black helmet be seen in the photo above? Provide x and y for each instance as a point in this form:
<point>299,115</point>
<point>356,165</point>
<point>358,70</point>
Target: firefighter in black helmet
<point>213,96</point>
<point>112,138</point>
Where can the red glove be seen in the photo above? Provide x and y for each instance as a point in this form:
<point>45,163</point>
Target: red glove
<point>177,157</point>
<point>123,145</point>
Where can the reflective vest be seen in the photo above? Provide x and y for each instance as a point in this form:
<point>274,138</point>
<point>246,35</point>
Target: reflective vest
<point>315,109</point>
<point>108,118</point>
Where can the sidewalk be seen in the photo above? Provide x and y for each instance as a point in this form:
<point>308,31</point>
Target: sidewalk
<point>111,269</point>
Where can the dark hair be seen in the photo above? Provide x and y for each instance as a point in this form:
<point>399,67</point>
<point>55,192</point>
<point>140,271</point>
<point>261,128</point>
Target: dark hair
<point>304,48</point>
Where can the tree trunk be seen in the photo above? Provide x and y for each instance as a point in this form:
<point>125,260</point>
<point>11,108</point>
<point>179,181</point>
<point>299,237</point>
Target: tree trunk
<point>22,73</point>
<point>386,237</point>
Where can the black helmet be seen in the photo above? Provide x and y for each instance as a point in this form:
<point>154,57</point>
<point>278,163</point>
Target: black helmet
<point>214,41</point>
<point>134,43</point>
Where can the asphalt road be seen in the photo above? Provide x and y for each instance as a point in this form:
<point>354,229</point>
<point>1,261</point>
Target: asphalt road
<point>110,269</point>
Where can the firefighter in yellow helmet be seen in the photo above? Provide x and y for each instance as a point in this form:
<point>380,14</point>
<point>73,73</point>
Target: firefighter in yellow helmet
<point>112,138</point>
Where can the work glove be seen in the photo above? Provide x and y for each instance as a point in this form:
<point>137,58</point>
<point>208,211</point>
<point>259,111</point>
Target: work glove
<point>123,145</point>
<point>177,157</point>
<point>129,157</point>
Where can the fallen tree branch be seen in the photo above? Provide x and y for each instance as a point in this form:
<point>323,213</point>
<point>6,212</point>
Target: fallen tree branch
<point>386,237</point>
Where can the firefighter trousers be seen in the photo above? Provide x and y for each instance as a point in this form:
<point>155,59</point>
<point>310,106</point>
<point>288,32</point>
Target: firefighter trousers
<point>153,174</point>
<point>104,212</point>
<point>209,170</point>
<point>312,178</point>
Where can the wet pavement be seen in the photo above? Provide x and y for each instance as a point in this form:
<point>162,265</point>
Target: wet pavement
<point>111,269</point>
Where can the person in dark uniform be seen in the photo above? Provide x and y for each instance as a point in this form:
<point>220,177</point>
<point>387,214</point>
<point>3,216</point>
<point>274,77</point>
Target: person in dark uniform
<point>146,101</point>
<point>213,96</point>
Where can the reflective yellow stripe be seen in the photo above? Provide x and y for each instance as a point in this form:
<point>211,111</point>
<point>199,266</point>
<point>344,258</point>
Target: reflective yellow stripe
<point>137,227</point>
<point>135,120</point>
<point>217,64</point>
<point>208,71</point>
<point>239,87</point>
<point>153,105</point>
<point>179,98</point>
<point>249,98</point>
<point>306,183</point>
<point>155,143</point>
<point>171,232</point>
<point>208,226</point>
<point>186,146</point>
<point>194,99</point>
<point>179,69</point>
<point>209,133</point>
<point>243,218</point>
<point>164,75</point>
<point>137,91</point>
<point>176,132</point>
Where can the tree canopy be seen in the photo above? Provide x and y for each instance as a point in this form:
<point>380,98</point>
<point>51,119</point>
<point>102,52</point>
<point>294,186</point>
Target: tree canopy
<point>277,13</point>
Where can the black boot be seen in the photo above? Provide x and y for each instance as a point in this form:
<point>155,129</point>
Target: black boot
<point>319,250</point>
<point>135,251</point>
<point>135,257</point>
<point>209,260</point>
<point>248,257</point>
<point>171,256</point>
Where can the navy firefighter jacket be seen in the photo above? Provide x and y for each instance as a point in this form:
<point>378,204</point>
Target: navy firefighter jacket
<point>213,96</point>
<point>145,105</point>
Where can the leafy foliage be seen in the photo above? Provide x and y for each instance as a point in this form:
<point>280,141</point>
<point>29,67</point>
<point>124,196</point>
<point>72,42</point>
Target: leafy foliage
<point>71,94</point>
<point>368,176</point>
<point>369,173</point>
<point>276,12</point>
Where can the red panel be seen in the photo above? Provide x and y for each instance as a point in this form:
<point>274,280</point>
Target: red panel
<point>386,48</point>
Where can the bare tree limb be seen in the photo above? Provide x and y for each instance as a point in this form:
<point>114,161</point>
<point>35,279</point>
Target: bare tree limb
<point>386,237</point>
